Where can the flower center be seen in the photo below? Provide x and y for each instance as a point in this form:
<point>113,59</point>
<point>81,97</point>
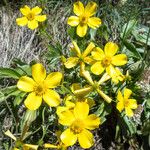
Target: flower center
<point>77,126</point>
<point>106,61</point>
<point>40,89</point>
<point>30,16</point>
<point>126,103</point>
<point>83,20</point>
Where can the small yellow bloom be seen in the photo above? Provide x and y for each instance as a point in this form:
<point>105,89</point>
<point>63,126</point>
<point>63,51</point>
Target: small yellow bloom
<point>125,103</point>
<point>79,123</point>
<point>31,17</point>
<point>40,87</point>
<point>79,95</point>
<point>20,143</point>
<point>96,85</point>
<point>84,17</point>
<point>80,57</point>
<point>117,76</point>
<point>105,60</point>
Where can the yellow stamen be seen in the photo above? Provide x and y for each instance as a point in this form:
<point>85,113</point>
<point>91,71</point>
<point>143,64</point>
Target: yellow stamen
<point>30,16</point>
<point>106,61</point>
<point>77,126</point>
<point>40,89</point>
<point>126,103</point>
<point>83,20</point>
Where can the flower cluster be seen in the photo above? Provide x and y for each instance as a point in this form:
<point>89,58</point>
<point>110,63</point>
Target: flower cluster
<point>73,110</point>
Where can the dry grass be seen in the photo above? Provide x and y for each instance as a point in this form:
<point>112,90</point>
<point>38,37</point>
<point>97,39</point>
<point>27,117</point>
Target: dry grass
<point>16,42</point>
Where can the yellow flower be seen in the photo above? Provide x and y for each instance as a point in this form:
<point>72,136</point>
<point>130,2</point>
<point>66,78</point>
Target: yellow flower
<point>105,60</point>
<point>31,17</point>
<point>20,144</point>
<point>40,87</point>
<point>126,103</point>
<point>79,123</point>
<point>80,57</point>
<point>96,85</point>
<point>84,17</point>
<point>117,76</point>
<point>79,95</point>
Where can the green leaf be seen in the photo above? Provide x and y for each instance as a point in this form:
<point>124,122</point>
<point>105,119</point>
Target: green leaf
<point>141,34</point>
<point>30,116</point>
<point>18,99</point>
<point>131,126</point>
<point>93,34</point>
<point>9,73</point>
<point>132,49</point>
<point>100,110</point>
<point>8,92</point>
<point>127,28</point>
<point>24,70</point>
<point>72,32</point>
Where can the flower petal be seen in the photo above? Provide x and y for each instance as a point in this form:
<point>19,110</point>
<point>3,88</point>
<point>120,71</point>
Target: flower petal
<point>71,62</point>
<point>36,10</point>
<point>53,79</point>
<point>38,73</point>
<point>30,146</point>
<point>104,78</point>
<point>94,22</point>
<point>83,92</point>
<point>110,49</point>
<point>40,18</point>
<point>127,93</point>
<point>47,145</point>
<point>92,122</point>
<point>97,68</point>
<point>61,109</point>
<point>33,101</point>
<point>88,77</point>
<point>120,97</point>
<point>66,118</point>
<point>91,8</point>
<point>133,103</point>
<point>128,112</point>
<point>76,48</point>
<point>120,106</point>
<point>25,10</point>
<point>88,49</point>
<point>78,8</point>
<point>88,60</point>
<point>9,134</point>
<point>22,21</point>
<point>85,139</point>
<point>26,84</point>
<point>81,30</point>
<point>98,54</point>
<point>119,60</point>
<point>32,24</point>
<point>81,110</point>
<point>73,21</point>
<point>104,96</point>
<point>111,70</point>
<point>68,138</point>
<point>52,98</point>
